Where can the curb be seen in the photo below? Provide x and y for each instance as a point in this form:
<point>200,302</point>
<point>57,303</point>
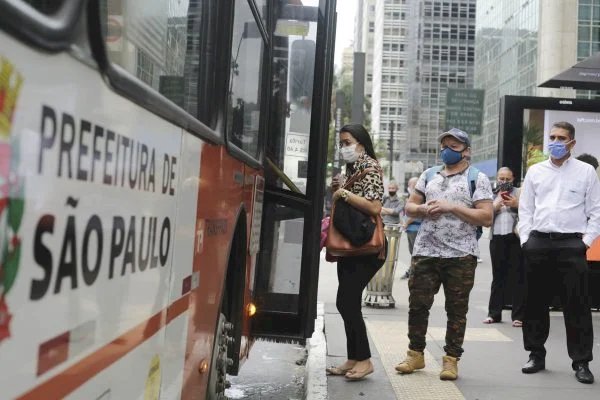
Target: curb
<point>316,381</point>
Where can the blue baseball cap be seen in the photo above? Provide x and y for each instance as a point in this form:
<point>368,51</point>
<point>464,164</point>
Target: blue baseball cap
<point>457,134</point>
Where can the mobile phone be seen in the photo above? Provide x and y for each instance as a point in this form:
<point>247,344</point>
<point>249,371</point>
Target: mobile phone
<point>505,195</point>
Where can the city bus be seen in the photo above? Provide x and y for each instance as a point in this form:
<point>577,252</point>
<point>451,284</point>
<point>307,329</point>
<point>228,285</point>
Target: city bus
<point>162,171</point>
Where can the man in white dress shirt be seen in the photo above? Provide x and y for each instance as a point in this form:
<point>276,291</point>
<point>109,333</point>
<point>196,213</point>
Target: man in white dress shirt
<point>559,218</point>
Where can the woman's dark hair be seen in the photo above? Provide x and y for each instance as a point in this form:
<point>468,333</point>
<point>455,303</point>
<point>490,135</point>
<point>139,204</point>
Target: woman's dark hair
<point>362,136</point>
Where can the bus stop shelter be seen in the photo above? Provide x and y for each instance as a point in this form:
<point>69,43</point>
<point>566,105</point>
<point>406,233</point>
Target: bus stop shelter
<point>584,75</point>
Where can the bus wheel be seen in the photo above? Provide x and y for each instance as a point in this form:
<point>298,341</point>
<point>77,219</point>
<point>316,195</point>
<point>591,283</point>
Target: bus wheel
<point>217,381</point>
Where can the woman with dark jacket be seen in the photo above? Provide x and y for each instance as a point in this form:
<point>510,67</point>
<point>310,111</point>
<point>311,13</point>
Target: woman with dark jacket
<point>365,194</point>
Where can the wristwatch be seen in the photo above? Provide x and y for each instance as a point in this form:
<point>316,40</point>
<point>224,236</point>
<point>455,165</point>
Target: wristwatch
<point>345,194</point>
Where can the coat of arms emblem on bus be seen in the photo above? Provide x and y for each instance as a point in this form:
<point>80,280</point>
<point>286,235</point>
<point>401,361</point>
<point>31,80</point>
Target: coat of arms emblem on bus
<point>11,191</point>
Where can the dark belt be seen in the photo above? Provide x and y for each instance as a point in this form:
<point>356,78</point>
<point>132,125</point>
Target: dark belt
<point>556,235</point>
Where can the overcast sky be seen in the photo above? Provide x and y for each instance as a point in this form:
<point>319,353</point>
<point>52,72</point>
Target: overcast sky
<point>346,10</point>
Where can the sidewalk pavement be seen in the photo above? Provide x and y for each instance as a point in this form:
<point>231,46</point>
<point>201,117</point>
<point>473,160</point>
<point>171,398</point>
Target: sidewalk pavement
<point>489,369</point>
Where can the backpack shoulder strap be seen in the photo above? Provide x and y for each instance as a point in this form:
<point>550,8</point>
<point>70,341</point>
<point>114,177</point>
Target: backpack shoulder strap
<point>473,175</point>
<point>430,173</point>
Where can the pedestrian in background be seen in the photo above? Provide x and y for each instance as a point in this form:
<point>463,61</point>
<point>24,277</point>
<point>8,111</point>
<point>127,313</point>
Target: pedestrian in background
<point>365,194</point>
<point>446,249</point>
<point>505,251</point>
<point>411,225</point>
<point>559,218</point>
<point>590,159</point>
<point>392,206</point>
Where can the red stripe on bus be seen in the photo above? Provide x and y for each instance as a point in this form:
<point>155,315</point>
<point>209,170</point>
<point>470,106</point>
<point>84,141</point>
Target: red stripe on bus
<point>53,352</point>
<point>67,381</point>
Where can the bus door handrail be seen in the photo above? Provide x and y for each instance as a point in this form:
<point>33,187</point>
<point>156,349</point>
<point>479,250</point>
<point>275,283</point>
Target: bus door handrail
<point>284,178</point>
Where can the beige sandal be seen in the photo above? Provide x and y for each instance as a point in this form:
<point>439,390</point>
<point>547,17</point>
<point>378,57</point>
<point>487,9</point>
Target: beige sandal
<point>354,375</point>
<point>333,370</point>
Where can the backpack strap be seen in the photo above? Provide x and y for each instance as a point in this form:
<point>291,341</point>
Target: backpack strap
<point>430,173</point>
<point>473,175</point>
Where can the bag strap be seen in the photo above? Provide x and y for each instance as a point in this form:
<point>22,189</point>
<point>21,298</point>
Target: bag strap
<point>357,177</point>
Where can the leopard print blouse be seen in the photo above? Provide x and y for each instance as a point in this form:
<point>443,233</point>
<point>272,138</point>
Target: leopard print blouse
<point>371,185</point>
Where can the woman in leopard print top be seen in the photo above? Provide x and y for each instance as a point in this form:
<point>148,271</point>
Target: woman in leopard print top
<point>356,149</point>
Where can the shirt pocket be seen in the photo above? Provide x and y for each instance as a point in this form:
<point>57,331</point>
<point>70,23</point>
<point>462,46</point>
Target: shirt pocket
<point>575,192</point>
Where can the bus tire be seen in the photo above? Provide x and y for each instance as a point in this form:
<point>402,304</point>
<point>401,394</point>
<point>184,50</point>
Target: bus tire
<point>217,379</point>
<point>232,303</point>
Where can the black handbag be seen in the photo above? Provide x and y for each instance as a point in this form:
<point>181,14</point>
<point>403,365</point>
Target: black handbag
<point>355,225</point>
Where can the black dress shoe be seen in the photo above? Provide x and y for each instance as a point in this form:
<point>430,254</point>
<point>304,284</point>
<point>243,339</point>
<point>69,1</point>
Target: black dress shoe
<point>533,365</point>
<point>583,374</point>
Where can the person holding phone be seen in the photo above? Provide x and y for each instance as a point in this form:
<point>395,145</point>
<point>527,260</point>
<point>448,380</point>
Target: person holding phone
<point>505,251</point>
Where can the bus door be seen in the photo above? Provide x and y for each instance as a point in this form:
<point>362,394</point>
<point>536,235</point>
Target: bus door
<point>295,158</point>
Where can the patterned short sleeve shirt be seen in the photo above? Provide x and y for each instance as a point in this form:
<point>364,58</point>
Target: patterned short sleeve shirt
<point>449,236</point>
<point>371,185</point>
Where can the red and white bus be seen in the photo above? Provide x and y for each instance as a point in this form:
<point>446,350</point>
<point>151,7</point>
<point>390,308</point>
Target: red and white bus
<point>162,167</point>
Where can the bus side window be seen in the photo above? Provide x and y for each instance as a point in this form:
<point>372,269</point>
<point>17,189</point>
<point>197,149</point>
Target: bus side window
<point>246,75</point>
<point>158,42</point>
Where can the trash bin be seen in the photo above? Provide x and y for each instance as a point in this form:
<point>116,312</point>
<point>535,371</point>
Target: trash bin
<point>379,289</point>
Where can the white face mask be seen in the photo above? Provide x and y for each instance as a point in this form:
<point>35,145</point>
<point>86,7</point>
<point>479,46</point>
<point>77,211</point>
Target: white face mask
<point>349,154</point>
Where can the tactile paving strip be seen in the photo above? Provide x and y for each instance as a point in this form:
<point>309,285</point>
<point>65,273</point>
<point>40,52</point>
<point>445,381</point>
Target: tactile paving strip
<point>391,341</point>
<point>471,334</point>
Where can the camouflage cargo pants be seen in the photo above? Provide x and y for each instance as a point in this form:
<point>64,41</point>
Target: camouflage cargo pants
<point>427,274</point>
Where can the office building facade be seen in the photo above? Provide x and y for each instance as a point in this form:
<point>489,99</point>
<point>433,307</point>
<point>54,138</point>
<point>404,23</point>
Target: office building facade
<point>521,44</point>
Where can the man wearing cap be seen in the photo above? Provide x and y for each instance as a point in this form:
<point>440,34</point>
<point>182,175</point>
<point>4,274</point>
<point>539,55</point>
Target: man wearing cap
<point>445,252</point>
<point>559,218</point>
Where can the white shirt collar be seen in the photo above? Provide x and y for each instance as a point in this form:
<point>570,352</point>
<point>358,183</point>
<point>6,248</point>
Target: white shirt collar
<point>563,164</point>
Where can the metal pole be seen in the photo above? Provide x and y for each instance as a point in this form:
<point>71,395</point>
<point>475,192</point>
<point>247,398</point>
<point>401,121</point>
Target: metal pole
<point>358,89</point>
<point>391,148</point>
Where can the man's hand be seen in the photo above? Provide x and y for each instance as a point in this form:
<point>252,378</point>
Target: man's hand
<point>439,207</point>
<point>423,210</point>
<point>510,201</point>
<point>335,183</point>
<point>499,202</point>
<point>386,211</point>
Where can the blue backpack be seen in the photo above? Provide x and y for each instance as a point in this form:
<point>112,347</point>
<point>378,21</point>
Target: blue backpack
<point>472,176</point>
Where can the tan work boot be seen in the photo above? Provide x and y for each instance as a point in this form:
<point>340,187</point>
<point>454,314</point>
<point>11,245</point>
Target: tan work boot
<point>449,368</point>
<point>414,360</point>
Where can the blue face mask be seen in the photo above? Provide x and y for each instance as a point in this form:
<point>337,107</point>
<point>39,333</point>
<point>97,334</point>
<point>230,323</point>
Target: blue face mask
<point>558,149</point>
<point>451,157</point>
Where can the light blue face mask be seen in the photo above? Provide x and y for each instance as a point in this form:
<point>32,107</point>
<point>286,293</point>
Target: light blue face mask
<point>558,149</point>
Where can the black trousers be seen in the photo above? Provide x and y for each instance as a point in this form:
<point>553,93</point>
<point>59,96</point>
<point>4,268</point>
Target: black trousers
<point>559,264</point>
<point>353,275</point>
<point>508,277</point>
